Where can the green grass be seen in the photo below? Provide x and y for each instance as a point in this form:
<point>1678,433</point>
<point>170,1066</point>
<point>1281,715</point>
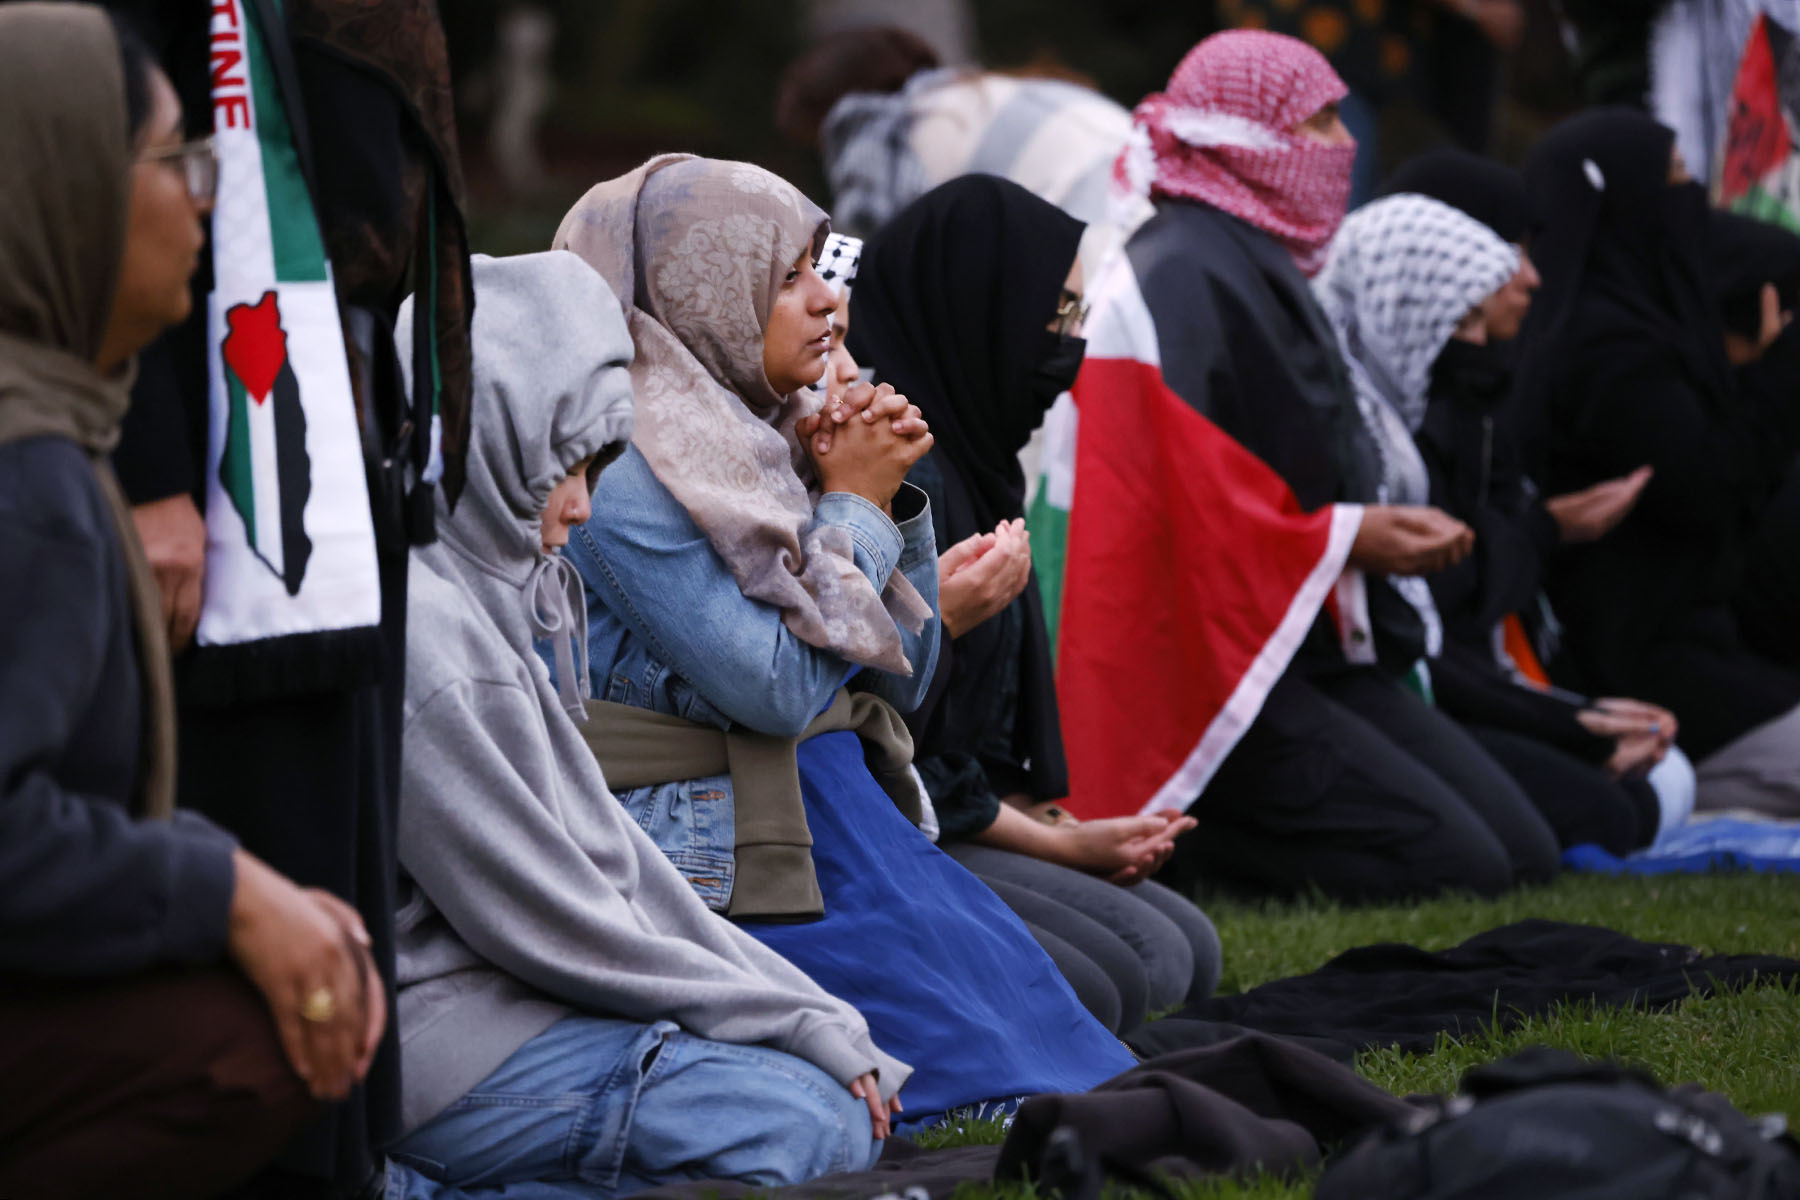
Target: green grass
<point>1746,1045</point>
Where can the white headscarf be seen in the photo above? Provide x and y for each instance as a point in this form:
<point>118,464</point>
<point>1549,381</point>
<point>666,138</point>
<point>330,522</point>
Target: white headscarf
<point>1402,273</point>
<point>1400,276</point>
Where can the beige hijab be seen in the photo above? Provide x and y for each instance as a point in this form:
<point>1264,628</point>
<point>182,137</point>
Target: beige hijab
<point>65,195</point>
<point>697,250</point>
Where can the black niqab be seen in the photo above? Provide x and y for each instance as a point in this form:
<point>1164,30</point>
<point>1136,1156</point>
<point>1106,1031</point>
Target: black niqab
<point>1491,192</point>
<point>952,300</point>
<point>951,307</point>
<point>1610,226</point>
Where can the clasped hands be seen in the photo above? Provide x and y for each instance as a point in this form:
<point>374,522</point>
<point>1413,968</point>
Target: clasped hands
<point>308,953</point>
<point>865,442</point>
<point>858,443</point>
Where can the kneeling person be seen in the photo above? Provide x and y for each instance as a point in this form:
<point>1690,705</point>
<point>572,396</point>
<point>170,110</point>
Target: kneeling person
<point>571,1011</point>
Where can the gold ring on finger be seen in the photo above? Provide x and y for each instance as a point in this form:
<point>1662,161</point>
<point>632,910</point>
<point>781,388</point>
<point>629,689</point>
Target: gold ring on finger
<point>319,1006</point>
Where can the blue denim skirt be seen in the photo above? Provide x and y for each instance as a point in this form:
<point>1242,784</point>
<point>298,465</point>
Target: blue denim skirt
<point>948,978</point>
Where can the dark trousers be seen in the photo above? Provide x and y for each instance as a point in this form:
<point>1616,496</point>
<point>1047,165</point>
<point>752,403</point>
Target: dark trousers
<point>1349,783</point>
<point>1126,952</point>
<point>169,1083</point>
<point>1581,802</point>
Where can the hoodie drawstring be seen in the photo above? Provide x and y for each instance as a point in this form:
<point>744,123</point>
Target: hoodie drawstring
<point>556,605</point>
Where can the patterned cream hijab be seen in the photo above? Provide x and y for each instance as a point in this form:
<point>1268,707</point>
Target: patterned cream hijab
<point>697,249</point>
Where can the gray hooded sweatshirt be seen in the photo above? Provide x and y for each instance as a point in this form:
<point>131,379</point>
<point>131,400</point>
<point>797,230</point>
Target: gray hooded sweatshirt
<point>527,893</point>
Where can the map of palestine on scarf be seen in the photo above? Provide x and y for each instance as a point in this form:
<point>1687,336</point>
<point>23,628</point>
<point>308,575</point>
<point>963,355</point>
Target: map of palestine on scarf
<point>1759,171</point>
<point>290,543</point>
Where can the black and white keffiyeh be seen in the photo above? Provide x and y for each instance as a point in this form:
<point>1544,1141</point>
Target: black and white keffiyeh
<point>1401,274</point>
<point>866,140</point>
<point>838,262</point>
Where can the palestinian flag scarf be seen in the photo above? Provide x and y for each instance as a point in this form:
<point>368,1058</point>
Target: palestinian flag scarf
<point>1192,570</point>
<point>290,542</point>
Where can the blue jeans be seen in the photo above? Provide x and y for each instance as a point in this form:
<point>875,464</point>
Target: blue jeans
<point>596,1108</point>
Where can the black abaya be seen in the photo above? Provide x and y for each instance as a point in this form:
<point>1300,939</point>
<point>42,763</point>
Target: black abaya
<point>1351,785</point>
<point>1626,351</point>
<point>1745,255</point>
<point>1769,596</point>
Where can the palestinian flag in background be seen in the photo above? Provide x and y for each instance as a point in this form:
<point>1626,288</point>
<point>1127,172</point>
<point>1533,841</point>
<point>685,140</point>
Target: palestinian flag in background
<point>1759,172</point>
<point>1190,573</point>
<point>290,541</point>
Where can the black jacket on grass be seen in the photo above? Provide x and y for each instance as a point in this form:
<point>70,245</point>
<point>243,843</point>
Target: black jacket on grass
<point>1246,1103</point>
<point>1401,996</point>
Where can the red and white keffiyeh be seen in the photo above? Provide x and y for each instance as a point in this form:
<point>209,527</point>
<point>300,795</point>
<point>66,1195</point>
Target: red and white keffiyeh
<point>1221,134</point>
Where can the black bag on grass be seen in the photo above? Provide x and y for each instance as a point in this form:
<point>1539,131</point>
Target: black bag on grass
<point>1545,1125</point>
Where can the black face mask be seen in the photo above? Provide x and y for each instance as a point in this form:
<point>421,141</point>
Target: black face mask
<point>1055,373</point>
<point>1472,372</point>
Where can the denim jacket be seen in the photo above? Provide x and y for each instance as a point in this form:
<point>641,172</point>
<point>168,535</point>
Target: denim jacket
<point>669,630</point>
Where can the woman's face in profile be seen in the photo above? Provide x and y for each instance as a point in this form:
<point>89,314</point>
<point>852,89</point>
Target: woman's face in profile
<point>841,369</point>
<point>570,504</point>
<point>163,236</point>
<point>1506,309</point>
<point>797,339</point>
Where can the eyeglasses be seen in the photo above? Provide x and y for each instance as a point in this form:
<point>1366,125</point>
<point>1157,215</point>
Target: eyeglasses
<point>198,163</point>
<point>1071,313</point>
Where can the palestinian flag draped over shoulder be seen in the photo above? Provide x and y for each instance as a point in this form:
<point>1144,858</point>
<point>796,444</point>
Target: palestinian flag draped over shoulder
<point>1190,573</point>
<point>1759,172</point>
<point>290,542</point>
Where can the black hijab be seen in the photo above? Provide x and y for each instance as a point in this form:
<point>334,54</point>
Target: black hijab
<point>1613,236</point>
<point>951,306</point>
<point>1491,192</point>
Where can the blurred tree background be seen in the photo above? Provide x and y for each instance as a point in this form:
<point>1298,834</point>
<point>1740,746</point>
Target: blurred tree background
<point>555,95</point>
